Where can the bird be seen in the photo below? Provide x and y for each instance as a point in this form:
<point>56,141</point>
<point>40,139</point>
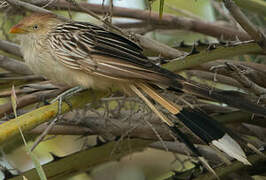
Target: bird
<point>90,56</point>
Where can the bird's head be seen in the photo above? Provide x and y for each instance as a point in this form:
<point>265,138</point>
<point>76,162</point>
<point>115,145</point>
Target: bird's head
<point>37,23</point>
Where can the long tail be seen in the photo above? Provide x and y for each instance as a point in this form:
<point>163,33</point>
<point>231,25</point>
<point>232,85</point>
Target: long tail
<point>206,128</point>
<point>175,130</point>
<point>232,98</point>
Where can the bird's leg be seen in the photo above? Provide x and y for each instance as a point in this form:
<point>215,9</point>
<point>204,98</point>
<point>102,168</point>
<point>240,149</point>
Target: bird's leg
<point>62,97</point>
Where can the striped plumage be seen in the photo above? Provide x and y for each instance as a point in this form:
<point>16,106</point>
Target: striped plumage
<point>101,53</point>
<point>83,54</point>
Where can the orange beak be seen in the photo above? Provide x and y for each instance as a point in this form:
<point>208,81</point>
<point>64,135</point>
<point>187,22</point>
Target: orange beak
<point>17,29</point>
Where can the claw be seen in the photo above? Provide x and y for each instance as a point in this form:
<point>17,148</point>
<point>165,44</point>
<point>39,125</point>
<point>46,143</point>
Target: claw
<point>62,97</point>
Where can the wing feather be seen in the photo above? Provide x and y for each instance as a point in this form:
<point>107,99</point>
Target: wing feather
<point>95,50</point>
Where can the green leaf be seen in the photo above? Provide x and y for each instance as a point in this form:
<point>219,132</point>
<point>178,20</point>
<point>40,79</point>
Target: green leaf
<point>36,163</point>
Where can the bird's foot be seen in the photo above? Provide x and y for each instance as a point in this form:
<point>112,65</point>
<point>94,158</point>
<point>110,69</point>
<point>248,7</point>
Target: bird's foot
<point>60,98</point>
<point>63,97</point>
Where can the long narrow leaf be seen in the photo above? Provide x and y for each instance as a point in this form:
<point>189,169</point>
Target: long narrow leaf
<point>36,162</point>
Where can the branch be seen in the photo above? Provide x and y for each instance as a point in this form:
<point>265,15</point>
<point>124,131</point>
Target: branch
<point>32,119</point>
<point>257,72</point>
<point>248,84</point>
<point>212,78</point>
<point>32,8</point>
<point>168,20</point>
<point>28,6</point>
<point>147,43</point>
<point>239,117</point>
<point>62,130</point>
<point>200,58</point>
<point>247,25</point>
<point>218,7</point>
<point>28,99</point>
<point>256,6</point>
<point>155,46</point>
<point>10,47</point>
<point>14,65</point>
<point>178,147</point>
<point>211,54</point>
<point>236,166</point>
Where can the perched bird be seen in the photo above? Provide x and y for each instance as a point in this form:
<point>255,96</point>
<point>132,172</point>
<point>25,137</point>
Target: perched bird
<point>86,55</point>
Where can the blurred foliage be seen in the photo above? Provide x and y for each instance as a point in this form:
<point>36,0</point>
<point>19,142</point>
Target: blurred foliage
<point>201,9</point>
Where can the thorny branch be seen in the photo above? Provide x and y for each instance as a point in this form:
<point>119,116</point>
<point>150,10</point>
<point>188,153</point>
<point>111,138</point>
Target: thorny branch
<point>256,72</point>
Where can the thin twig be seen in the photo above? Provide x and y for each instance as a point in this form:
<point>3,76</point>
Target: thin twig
<point>91,13</point>
<point>247,25</point>
<point>44,133</point>
<point>28,6</point>
<point>28,99</point>
<point>226,15</point>
<point>248,84</point>
<point>31,7</point>
<point>167,20</point>
<point>157,134</point>
<point>63,129</point>
<point>236,166</point>
<point>200,26</point>
<point>3,4</point>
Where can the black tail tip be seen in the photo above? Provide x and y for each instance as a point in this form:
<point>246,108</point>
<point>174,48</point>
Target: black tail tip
<point>201,124</point>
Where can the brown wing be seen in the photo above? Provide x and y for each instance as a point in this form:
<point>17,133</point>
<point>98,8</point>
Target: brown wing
<point>92,49</point>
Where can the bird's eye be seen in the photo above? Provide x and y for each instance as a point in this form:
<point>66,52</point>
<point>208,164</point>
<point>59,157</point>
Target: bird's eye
<point>35,26</point>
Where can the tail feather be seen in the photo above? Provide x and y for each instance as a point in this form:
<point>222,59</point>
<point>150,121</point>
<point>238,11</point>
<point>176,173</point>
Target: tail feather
<point>232,148</point>
<point>206,128</point>
<point>200,124</point>
<point>212,132</point>
<point>169,123</point>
